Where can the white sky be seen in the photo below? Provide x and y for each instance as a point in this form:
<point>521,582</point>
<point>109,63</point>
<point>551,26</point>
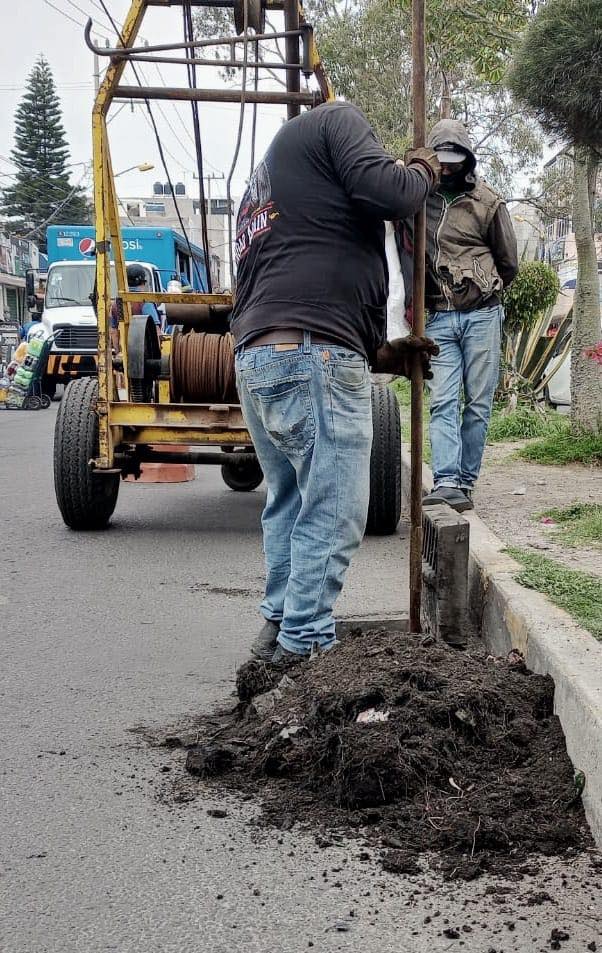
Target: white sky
<point>45,29</point>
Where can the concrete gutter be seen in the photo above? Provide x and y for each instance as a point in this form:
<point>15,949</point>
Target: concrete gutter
<point>509,616</point>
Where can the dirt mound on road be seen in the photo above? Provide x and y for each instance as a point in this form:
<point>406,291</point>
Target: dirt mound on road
<point>409,744</point>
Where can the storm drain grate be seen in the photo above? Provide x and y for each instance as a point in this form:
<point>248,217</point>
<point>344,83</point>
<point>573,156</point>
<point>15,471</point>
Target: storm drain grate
<point>445,541</point>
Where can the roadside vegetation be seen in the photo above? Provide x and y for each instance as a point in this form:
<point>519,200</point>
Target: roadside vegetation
<point>402,389</point>
<point>524,423</point>
<point>577,525</point>
<point>564,447</point>
<point>578,593</point>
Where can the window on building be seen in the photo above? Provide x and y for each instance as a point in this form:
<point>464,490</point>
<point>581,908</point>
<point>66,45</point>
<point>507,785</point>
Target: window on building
<point>133,208</point>
<point>563,227</point>
<point>219,206</point>
<point>155,208</point>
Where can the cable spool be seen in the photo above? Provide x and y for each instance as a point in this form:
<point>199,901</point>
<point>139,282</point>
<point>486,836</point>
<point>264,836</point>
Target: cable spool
<point>202,368</point>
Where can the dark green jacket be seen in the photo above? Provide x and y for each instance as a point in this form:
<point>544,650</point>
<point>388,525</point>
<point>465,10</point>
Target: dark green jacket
<point>471,245</point>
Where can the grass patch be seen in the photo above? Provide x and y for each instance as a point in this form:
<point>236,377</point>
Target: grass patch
<point>565,447</point>
<point>402,389</point>
<point>524,423</point>
<point>579,593</point>
<point>578,524</point>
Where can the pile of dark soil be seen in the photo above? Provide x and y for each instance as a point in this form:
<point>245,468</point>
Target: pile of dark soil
<point>408,744</point>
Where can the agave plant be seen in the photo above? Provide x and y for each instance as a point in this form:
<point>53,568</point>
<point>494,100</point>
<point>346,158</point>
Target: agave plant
<point>531,358</point>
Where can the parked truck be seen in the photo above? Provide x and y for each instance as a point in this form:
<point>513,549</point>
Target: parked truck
<point>68,313</point>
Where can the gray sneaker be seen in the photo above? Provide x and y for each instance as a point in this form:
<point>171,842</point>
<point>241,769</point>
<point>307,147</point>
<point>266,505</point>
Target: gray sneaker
<point>452,495</point>
<point>265,642</point>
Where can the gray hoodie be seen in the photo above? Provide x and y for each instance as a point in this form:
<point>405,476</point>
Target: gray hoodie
<point>471,245</point>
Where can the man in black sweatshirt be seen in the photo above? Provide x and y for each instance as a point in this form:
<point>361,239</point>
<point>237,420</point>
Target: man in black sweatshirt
<point>309,322</point>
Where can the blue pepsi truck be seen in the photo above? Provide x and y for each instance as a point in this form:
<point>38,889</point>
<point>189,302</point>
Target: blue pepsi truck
<point>68,314</point>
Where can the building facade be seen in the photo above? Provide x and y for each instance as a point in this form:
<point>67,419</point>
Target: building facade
<point>16,256</point>
<point>160,209</point>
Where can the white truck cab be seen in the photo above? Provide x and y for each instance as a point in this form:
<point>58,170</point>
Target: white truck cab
<point>68,315</point>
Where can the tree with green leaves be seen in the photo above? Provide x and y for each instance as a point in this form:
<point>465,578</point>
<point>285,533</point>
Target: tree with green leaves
<point>366,48</point>
<point>41,192</point>
<point>557,73</point>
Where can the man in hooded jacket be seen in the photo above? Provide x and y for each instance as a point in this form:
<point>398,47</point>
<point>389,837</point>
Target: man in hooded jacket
<point>471,258</point>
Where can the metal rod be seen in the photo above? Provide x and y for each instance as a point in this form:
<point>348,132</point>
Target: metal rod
<point>187,456</point>
<point>195,61</point>
<point>419,107</point>
<point>268,4</point>
<point>219,95</point>
<point>291,52</point>
<point>120,52</point>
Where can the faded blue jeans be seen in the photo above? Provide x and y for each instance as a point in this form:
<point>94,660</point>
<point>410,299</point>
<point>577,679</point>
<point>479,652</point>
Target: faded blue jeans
<point>309,414</point>
<point>468,364</point>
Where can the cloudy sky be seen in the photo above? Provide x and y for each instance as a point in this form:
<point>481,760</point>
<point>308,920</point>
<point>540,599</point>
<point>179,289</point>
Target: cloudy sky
<point>55,28</point>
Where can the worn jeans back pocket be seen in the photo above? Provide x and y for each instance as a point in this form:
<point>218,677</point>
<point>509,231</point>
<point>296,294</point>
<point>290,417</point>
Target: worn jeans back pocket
<point>285,409</point>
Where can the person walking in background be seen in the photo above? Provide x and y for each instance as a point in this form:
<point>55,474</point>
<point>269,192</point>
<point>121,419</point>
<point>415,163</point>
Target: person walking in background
<point>471,258</point>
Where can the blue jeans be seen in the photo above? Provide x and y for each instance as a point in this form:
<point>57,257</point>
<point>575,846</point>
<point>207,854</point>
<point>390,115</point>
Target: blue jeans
<point>468,362</point>
<point>309,414</point>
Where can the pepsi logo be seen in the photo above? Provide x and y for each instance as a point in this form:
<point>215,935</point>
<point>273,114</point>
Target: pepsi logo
<point>87,247</point>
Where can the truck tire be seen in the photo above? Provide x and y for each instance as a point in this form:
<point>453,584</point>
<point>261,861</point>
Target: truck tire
<point>242,475</point>
<point>85,499</point>
<point>384,509</point>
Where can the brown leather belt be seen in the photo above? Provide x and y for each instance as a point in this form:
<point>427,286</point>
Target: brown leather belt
<point>288,338</point>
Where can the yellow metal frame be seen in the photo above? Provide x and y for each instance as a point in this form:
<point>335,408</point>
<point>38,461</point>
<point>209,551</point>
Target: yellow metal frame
<point>123,421</point>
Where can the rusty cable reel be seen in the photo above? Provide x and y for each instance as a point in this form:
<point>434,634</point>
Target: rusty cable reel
<point>202,368</point>
<point>255,16</point>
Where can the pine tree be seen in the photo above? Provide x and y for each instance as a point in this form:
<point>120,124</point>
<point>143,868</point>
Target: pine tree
<point>42,188</point>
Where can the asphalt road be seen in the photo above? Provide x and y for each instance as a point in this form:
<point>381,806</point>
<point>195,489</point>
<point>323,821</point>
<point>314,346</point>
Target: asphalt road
<point>140,626</point>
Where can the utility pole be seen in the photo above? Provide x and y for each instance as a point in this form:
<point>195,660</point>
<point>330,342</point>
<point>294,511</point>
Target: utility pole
<point>209,178</point>
<point>96,71</point>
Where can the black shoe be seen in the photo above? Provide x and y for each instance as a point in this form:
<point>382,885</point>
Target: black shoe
<point>452,495</point>
<point>263,645</point>
<point>283,657</point>
<point>467,491</point>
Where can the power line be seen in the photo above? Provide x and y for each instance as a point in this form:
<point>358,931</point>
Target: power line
<point>99,28</point>
<point>67,15</point>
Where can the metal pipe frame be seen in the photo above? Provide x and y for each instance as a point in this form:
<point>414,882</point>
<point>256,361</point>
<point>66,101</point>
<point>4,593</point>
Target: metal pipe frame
<point>132,423</point>
<point>293,99</point>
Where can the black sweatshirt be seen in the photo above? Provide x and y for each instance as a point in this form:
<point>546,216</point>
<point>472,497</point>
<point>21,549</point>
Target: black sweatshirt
<point>310,248</point>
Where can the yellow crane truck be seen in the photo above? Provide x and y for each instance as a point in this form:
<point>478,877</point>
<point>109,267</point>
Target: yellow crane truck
<point>172,397</point>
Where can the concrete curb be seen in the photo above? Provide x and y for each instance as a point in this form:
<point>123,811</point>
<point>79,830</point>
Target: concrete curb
<point>509,616</point>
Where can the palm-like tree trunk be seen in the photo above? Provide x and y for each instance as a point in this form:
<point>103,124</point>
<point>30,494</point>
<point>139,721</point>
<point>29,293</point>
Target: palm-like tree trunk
<point>586,374</point>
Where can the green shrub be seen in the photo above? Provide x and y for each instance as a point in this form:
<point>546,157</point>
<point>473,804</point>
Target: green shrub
<point>534,289</point>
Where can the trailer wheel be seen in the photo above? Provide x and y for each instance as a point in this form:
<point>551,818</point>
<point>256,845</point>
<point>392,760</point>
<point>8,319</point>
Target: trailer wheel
<point>385,463</point>
<point>242,475</point>
<point>85,499</point>
<point>46,401</point>
<point>32,402</point>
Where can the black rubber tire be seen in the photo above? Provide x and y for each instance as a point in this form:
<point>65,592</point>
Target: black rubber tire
<point>46,401</point>
<point>32,402</point>
<point>86,500</point>
<point>384,509</point>
<point>242,476</point>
